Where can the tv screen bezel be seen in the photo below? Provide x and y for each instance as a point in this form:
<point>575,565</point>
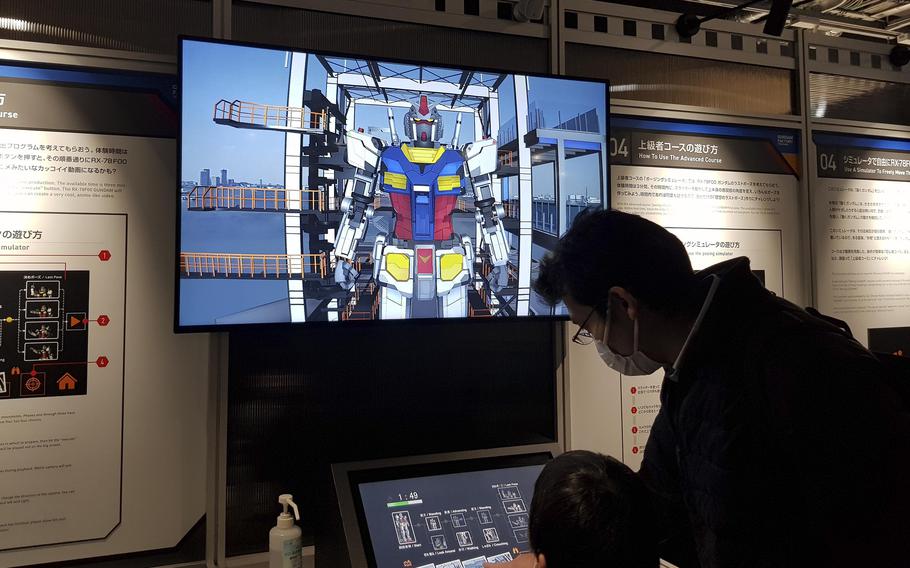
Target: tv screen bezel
<point>202,328</point>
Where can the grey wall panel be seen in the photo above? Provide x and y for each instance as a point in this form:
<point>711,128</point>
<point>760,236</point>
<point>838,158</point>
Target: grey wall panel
<point>150,26</point>
<point>863,100</point>
<point>307,29</point>
<point>655,77</point>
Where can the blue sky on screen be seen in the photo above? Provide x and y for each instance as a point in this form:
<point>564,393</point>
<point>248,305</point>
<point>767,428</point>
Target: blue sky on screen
<point>214,71</point>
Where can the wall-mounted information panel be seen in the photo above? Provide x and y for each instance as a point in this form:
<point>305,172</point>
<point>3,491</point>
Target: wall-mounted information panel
<point>861,209</point>
<point>725,192</point>
<point>86,158</point>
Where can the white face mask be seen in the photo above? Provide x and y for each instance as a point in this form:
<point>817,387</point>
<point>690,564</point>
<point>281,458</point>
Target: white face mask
<point>636,364</point>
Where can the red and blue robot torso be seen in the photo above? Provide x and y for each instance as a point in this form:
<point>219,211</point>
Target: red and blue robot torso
<point>423,186</point>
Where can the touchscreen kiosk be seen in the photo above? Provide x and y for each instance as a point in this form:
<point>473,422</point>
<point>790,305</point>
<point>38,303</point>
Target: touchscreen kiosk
<point>452,511</point>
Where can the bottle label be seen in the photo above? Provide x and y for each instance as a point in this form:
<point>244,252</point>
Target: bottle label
<point>291,554</point>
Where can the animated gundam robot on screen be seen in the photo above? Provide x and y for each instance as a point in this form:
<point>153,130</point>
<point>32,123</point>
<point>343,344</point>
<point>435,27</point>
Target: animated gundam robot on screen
<point>423,268</point>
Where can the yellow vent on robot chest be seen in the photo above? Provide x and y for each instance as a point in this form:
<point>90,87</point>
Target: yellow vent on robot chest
<point>398,265</point>
<point>422,155</point>
<point>448,183</point>
<point>450,266</point>
<point>398,181</point>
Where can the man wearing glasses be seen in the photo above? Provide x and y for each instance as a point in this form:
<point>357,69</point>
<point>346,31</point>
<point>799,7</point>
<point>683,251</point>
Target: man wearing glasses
<point>778,442</point>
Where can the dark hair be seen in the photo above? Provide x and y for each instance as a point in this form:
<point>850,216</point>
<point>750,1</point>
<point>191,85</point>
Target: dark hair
<point>603,249</point>
<point>591,510</point>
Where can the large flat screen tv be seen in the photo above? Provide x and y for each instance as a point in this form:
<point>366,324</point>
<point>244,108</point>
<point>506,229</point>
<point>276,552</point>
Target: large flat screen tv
<point>320,187</point>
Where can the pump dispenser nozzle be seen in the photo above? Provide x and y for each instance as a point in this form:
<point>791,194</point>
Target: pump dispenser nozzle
<point>284,519</point>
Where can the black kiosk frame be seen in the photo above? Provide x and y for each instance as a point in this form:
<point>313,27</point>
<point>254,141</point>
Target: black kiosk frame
<point>349,543</point>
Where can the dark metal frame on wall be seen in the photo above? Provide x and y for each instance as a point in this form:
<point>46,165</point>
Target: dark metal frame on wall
<point>385,39</point>
<point>352,394</point>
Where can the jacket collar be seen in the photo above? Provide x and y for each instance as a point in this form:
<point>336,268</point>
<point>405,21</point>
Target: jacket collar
<point>737,295</point>
<point>672,372</point>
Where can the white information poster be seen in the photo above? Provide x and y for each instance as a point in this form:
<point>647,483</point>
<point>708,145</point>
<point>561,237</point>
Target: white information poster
<point>726,192</point>
<point>86,315</point>
<point>62,295</point>
<point>861,235</point>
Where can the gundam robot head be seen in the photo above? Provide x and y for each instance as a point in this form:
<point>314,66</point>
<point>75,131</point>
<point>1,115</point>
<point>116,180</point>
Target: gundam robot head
<point>423,123</point>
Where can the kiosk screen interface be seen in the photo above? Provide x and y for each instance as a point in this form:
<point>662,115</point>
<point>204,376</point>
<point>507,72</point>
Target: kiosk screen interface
<point>458,520</point>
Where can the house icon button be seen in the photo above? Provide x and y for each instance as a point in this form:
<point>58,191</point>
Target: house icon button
<point>66,382</point>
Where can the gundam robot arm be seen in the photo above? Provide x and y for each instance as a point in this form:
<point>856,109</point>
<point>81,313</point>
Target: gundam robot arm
<point>480,163</point>
<point>363,153</point>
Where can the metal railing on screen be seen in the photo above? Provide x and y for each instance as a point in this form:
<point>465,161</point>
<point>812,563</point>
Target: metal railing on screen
<point>352,313</point>
<point>270,116</point>
<point>255,199</point>
<point>508,159</point>
<point>236,265</point>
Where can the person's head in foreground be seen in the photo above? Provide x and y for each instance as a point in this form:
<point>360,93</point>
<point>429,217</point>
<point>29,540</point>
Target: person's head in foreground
<point>590,510</point>
<point>628,284</point>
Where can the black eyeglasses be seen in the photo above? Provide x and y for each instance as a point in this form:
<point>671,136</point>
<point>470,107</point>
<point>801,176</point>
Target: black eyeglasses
<point>583,336</point>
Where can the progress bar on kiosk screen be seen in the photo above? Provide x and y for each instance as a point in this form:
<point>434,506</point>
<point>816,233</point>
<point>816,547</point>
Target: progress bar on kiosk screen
<point>404,503</point>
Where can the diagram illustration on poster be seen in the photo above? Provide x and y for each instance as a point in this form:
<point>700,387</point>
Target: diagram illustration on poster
<point>45,318</point>
<point>44,331</point>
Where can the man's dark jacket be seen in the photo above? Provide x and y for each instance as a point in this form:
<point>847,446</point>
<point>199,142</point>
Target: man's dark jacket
<point>778,443</point>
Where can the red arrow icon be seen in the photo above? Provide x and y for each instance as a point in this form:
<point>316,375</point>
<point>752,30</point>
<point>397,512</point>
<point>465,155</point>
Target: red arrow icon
<point>102,361</point>
<point>104,255</point>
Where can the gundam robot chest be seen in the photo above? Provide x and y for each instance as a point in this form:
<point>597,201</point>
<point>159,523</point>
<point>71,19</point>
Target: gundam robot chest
<point>423,195</point>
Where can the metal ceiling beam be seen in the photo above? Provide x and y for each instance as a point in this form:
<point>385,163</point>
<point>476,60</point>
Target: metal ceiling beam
<point>464,82</point>
<point>377,78</point>
<point>498,82</point>
<point>867,24</point>
<point>405,84</point>
<point>325,63</point>
<point>893,11</point>
<point>826,23</point>
<point>407,105</point>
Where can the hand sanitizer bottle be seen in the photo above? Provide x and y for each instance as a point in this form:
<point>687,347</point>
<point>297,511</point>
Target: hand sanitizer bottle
<point>284,539</point>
